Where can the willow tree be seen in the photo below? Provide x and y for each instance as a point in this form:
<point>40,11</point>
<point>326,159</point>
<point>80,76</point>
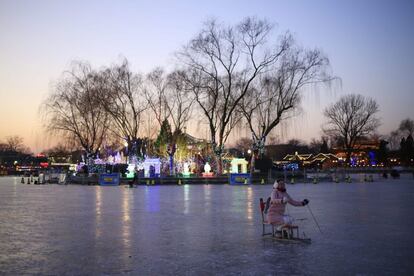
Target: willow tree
<point>123,99</point>
<point>221,64</point>
<point>351,118</point>
<point>73,110</point>
<point>277,94</point>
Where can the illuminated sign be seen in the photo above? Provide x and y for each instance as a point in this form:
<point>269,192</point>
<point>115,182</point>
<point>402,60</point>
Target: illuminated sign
<point>109,179</point>
<point>240,178</point>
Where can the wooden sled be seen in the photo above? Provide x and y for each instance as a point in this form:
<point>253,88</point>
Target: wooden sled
<point>288,233</point>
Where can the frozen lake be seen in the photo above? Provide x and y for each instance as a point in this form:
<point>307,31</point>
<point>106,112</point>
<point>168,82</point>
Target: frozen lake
<point>203,229</point>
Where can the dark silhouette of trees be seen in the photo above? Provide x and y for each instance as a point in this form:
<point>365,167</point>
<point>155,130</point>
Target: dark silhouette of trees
<point>407,150</point>
<point>350,118</point>
<point>59,154</point>
<point>73,108</point>
<point>243,147</point>
<point>15,143</point>
<point>382,152</point>
<point>123,99</point>
<point>13,151</point>
<point>394,139</point>
<point>407,127</point>
<point>319,145</point>
<point>400,141</point>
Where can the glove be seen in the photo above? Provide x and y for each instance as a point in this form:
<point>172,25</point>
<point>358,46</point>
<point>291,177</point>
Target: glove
<point>305,202</point>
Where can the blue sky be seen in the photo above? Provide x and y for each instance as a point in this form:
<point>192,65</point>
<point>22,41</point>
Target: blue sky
<point>370,45</point>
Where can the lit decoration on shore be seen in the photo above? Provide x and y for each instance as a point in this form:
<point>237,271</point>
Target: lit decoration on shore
<point>152,167</point>
<point>236,162</point>
<point>186,169</point>
<point>207,170</point>
<point>238,174</point>
<point>130,171</point>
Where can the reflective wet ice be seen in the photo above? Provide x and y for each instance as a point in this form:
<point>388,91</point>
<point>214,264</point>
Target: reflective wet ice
<point>203,229</point>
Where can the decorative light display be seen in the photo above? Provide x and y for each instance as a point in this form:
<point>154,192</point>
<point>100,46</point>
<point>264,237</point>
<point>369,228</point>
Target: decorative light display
<point>186,169</point>
<point>207,170</point>
<point>236,162</point>
<point>152,167</point>
<point>131,171</point>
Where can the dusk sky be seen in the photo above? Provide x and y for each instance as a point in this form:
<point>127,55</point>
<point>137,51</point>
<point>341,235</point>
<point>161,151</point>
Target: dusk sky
<point>369,43</point>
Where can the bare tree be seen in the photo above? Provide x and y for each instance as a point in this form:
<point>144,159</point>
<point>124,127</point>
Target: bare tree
<point>243,144</point>
<point>3,147</point>
<point>394,139</point>
<point>180,100</point>
<point>349,119</point>
<point>123,98</point>
<point>15,143</point>
<point>221,64</point>
<point>170,100</point>
<point>277,94</point>
<point>156,94</point>
<point>273,140</point>
<point>407,127</point>
<point>319,145</point>
<point>73,108</point>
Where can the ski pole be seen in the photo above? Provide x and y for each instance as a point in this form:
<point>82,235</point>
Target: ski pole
<point>316,222</point>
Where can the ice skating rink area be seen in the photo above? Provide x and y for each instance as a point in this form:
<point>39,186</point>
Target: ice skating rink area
<point>368,229</point>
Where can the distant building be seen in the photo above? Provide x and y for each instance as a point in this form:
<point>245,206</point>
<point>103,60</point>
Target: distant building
<point>364,153</point>
<point>320,160</point>
<point>324,161</point>
<point>278,152</point>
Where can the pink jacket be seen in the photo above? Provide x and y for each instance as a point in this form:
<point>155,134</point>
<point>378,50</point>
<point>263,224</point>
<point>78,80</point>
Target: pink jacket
<point>277,208</point>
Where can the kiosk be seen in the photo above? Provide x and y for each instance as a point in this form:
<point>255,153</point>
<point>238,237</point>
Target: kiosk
<point>152,167</point>
<point>238,173</point>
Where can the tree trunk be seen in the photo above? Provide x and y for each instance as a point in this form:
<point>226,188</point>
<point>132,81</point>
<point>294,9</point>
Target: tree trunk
<point>219,164</point>
<point>171,156</point>
<point>171,152</point>
<point>252,163</point>
<point>348,158</point>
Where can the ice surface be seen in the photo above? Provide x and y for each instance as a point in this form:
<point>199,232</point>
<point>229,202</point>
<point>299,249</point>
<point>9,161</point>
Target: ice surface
<point>203,230</point>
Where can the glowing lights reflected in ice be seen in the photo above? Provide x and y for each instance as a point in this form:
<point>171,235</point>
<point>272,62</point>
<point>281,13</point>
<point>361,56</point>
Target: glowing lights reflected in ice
<point>98,211</point>
<point>186,190</point>
<point>250,204</point>
<point>127,200</point>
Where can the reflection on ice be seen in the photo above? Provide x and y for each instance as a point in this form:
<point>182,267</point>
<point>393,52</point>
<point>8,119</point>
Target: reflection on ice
<point>186,190</point>
<point>98,210</point>
<point>202,229</point>
<point>127,201</point>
